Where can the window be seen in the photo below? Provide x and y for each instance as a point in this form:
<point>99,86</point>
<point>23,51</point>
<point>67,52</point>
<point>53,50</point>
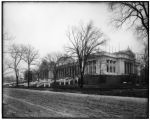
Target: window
<point>110,61</point>
<point>107,61</point>
<point>107,68</point>
<point>91,67</point>
<point>128,67</point>
<point>114,69</point>
<point>94,71</point>
<point>111,66</point>
<point>94,66</point>
<point>114,66</point>
<point>107,65</point>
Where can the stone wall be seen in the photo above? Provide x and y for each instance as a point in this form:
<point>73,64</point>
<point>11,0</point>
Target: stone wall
<point>108,81</point>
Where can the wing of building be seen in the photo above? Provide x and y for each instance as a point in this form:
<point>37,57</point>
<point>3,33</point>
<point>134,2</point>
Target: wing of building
<point>102,68</point>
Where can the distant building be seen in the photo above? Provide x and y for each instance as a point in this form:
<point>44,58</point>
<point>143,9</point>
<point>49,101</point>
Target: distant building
<point>67,67</point>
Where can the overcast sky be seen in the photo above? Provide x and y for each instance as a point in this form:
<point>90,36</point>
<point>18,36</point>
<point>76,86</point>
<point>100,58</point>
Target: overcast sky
<point>44,25</point>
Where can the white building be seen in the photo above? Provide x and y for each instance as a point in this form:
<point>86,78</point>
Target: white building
<point>101,63</point>
<point>118,63</point>
<point>103,69</point>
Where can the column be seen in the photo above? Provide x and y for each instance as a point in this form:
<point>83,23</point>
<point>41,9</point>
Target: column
<point>64,82</point>
<point>131,68</point>
<point>125,67</point>
<point>69,82</point>
<point>108,65</point>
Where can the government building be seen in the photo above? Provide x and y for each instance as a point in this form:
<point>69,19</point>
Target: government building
<point>102,69</point>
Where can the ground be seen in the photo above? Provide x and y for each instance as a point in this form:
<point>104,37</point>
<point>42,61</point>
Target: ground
<point>24,103</point>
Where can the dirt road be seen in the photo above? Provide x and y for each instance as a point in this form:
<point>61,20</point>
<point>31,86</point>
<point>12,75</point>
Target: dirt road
<point>23,103</point>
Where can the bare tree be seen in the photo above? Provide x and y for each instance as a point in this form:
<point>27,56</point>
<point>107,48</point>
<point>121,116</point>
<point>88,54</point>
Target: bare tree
<point>5,66</point>
<point>84,41</point>
<point>52,60</point>
<point>37,70</point>
<point>131,13</point>
<point>30,56</point>
<point>7,39</point>
<point>16,54</point>
<point>135,15</point>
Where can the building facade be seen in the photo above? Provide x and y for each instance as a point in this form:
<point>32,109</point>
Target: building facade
<point>118,63</point>
<point>101,63</point>
<point>103,70</point>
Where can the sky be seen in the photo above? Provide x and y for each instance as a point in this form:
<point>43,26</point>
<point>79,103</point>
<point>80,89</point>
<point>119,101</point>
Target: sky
<point>45,25</point>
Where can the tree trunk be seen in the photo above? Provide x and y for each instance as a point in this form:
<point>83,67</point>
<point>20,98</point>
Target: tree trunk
<point>81,80</point>
<point>28,75</point>
<point>16,79</point>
